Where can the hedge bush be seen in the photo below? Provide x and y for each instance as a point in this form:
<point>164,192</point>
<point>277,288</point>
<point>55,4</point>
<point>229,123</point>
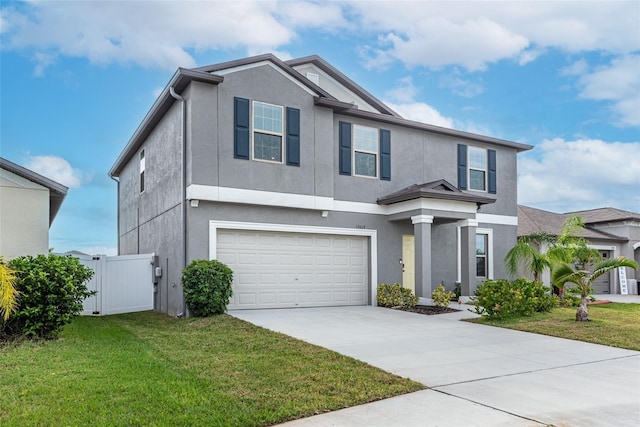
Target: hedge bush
<point>207,287</point>
<point>500,299</point>
<point>51,289</point>
<point>394,295</point>
<point>441,297</point>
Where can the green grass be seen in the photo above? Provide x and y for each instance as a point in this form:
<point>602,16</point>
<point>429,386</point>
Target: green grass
<point>149,369</point>
<point>615,324</point>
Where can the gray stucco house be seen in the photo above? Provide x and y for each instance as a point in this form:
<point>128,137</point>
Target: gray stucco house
<point>613,232</point>
<point>310,188</point>
<point>29,202</point>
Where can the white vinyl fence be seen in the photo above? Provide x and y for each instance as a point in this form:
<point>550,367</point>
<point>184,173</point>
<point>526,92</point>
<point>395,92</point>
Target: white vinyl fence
<point>124,284</point>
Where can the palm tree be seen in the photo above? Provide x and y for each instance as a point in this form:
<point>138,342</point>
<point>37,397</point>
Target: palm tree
<point>527,253</point>
<point>564,272</point>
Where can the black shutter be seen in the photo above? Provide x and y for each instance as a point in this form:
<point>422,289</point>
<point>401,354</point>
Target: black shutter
<point>344,135</point>
<point>242,127</point>
<point>492,171</point>
<point>385,155</point>
<point>293,136</point>
<point>462,166</point>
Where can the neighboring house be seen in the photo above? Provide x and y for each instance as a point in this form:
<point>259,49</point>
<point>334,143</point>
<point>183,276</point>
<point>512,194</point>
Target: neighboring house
<point>311,189</point>
<point>613,232</point>
<point>29,203</point>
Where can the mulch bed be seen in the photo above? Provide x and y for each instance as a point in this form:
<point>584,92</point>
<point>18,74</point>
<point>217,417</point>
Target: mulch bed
<point>428,309</point>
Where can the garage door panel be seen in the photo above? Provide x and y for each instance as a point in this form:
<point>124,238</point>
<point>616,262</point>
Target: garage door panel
<point>273,269</point>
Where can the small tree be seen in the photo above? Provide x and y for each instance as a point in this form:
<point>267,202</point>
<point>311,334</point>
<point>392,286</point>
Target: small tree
<point>563,273</point>
<point>527,253</point>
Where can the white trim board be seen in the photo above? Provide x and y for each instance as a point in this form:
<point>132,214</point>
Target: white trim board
<point>323,203</point>
<point>214,225</point>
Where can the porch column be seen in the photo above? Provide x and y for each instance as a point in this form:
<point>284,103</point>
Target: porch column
<point>422,233</point>
<point>468,256</point>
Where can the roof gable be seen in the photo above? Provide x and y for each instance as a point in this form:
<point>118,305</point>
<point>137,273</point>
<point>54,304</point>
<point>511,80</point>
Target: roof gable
<point>440,189</point>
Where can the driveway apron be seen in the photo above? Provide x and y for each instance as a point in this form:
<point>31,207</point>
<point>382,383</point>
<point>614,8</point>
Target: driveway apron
<point>477,374</point>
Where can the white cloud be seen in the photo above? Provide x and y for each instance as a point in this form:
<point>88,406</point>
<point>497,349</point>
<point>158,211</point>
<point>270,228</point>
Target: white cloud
<point>421,112</point>
<point>461,86</point>
<point>618,83</point>
<point>404,92</point>
<point>475,34</point>
<point>58,169</point>
<point>98,250</point>
<point>564,175</point>
<point>578,68</point>
<point>158,34</point>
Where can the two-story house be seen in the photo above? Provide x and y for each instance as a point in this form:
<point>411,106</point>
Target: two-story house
<point>29,202</point>
<point>310,188</point>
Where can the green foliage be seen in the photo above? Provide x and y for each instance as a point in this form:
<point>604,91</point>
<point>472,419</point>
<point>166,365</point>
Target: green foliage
<point>207,287</point>
<point>501,299</point>
<point>52,289</point>
<point>441,297</point>
<point>8,291</point>
<point>394,295</point>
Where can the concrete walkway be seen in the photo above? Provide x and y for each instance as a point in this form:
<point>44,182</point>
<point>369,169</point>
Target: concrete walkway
<point>478,375</point>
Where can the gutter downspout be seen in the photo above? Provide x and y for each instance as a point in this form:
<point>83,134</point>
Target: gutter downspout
<point>117,181</point>
<point>183,179</point>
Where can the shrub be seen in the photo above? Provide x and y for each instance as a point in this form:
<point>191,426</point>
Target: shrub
<point>441,297</point>
<point>500,299</point>
<point>207,287</point>
<point>51,291</point>
<point>394,295</point>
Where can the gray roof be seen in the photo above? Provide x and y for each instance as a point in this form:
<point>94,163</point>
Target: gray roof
<point>440,189</point>
<point>532,220</point>
<point>57,191</point>
<point>183,77</point>
<point>593,216</point>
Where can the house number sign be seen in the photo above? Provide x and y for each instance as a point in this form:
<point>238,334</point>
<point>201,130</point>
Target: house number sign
<point>623,281</point>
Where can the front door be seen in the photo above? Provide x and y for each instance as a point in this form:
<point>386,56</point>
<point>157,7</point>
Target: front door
<point>408,262</point>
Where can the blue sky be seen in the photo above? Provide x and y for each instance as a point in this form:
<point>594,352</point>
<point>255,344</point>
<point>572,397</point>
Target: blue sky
<point>78,77</point>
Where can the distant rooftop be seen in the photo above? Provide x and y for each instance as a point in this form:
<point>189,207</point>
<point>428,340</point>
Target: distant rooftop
<point>532,220</point>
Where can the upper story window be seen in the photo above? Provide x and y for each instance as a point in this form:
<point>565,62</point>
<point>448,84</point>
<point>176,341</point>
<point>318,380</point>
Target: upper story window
<point>267,132</point>
<point>142,167</point>
<point>477,169</point>
<point>365,151</point>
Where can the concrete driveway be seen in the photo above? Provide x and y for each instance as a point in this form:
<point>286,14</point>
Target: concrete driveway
<point>478,375</point>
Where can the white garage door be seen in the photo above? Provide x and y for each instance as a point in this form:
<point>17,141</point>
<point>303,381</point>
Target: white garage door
<point>275,269</point>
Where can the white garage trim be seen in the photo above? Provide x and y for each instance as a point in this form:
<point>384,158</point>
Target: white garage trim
<point>259,226</point>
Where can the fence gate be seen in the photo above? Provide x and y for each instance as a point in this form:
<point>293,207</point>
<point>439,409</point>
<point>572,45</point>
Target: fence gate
<point>124,284</point>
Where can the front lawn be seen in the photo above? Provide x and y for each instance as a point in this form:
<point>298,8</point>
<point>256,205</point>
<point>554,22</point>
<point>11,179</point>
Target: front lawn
<point>614,324</point>
<point>149,369</point>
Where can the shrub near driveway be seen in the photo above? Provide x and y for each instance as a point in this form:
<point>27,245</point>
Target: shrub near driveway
<point>501,299</point>
<point>149,369</point>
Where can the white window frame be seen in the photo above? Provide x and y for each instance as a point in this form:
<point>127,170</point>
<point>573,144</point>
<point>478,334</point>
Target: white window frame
<point>489,233</point>
<point>142,173</point>
<point>267,132</point>
<point>485,256</point>
<point>485,170</point>
<point>375,153</point>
